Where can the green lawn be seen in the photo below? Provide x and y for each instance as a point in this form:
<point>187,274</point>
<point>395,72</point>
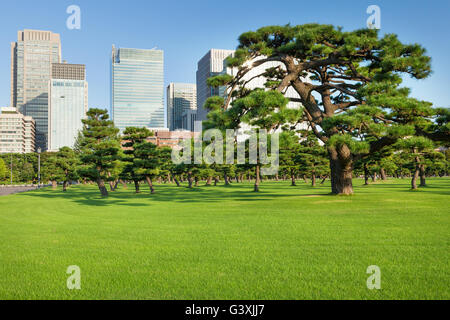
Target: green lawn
<point>227,242</point>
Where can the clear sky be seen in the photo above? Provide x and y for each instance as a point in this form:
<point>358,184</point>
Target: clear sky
<point>186,30</point>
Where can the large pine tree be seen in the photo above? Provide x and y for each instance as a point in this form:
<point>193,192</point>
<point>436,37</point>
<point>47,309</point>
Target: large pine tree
<point>348,83</point>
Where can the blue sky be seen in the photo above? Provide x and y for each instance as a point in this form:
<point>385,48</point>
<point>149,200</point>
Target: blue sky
<point>186,30</point>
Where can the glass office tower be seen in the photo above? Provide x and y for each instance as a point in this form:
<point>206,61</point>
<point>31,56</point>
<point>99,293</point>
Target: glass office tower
<point>31,62</point>
<point>181,100</point>
<point>137,88</point>
<point>68,104</point>
<point>211,64</point>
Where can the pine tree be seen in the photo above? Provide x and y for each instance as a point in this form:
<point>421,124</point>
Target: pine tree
<point>347,82</point>
<point>99,148</point>
<point>67,161</point>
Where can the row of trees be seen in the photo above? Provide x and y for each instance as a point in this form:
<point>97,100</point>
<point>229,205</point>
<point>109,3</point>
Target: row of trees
<point>103,156</point>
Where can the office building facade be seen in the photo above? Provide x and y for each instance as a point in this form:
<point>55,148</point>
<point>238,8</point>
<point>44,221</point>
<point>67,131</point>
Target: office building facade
<point>181,103</point>
<point>137,88</point>
<point>68,104</point>
<point>211,64</point>
<point>17,132</point>
<point>31,65</point>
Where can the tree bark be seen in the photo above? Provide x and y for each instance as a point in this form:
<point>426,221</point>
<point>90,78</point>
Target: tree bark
<point>422,175</point>
<point>313,180</point>
<point>102,188</point>
<point>414,178</point>
<point>341,170</point>
<point>150,184</point>
<point>383,174</point>
<point>323,180</point>
<point>366,175</point>
<point>136,186</point>
<point>292,178</point>
<point>257,179</point>
<point>189,178</point>
<point>208,181</point>
<point>176,181</point>
<point>196,181</point>
<point>225,177</point>
<point>65,185</point>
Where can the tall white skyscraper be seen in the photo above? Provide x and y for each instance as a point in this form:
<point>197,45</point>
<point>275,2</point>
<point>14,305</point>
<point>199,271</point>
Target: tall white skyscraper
<point>31,66</point>
<point>68,104</point>
<point>137,88</point>
<point>181,105</point>
<point>212,63</point>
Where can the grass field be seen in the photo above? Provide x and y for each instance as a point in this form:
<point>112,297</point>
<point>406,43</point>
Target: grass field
<point>227,242</point>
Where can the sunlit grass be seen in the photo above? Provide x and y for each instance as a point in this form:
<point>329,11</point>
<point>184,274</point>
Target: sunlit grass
<point>227,242</point>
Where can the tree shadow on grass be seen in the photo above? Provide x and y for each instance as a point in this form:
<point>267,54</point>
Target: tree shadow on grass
<point>86,195</point>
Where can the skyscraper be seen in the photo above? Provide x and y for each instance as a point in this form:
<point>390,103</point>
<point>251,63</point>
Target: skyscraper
<point>68,104</point>
<point>31,62</point>
<point>137,88</point>
<point>181,103</point>
<point>212,63</point>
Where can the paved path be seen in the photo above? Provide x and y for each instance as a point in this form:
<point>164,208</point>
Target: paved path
<point>10,190</point>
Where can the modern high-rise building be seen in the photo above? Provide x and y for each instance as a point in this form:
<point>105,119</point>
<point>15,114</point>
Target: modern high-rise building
<point>68,104</point>
<point>31,66</point>
<point>137,88</point>
<point>17,132</point>
<point>181,103</point>
<point>212,63</point>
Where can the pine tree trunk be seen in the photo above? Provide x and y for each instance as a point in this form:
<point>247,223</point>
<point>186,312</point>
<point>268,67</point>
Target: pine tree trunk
<point>323,180</point>
<point>383,174</point>
<point>341,170</point>
<point>225,177</point>
<point>65,185</point>
<point>422,176</point>
<point>292,178</point>
<point>366,175</point>
<point>101,187</point>
<point>257,179</point>
<point>414,178</point>
<point>313,180</point>
<point>196,181</point>
<point>176,181</point>
<point>150,184</point>
<point>136,186</point>
<point>189,177</point>
<point>216,180</point>
<point>208,181</point>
